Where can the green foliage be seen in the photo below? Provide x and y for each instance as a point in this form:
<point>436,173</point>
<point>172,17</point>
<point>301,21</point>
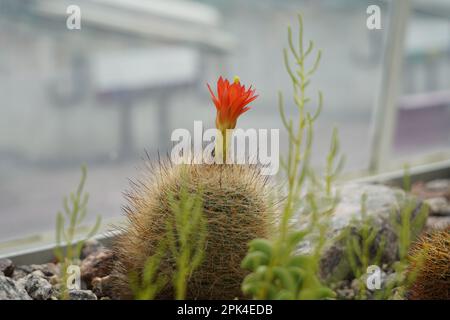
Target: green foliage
<point>406,224</point>
<point>147,286</point>
<point>185,241</point>
<point>68,222</point>
<point>277,271</point>
<point>187,237</point>
<point>358,246</point>
<point>332,170</point>
<point>407,227</point>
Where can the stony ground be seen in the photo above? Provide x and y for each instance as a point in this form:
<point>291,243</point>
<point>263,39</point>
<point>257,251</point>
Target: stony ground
<point>42,282</point>
<point>436,194</point>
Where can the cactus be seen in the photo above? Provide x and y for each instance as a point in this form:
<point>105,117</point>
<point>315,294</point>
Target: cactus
<point>236,207</point>
<point>430,265</point>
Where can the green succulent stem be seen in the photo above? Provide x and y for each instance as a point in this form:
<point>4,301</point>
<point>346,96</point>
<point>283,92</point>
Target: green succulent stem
<point>268,277</point>
<point>68,225</point>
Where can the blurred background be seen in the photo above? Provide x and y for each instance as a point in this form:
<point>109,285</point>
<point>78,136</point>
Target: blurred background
<point>137,69</point>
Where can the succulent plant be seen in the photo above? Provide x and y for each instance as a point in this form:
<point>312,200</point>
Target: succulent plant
<point>235,205</point>
<point>430,266</point>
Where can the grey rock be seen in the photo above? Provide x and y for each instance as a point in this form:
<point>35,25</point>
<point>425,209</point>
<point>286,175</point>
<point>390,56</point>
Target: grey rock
<point>36,286</point>
<point>10,290</point>
<point>439,206</point>
<point>438,185</point>
<point>383,205</point>
<point>48,269</point>
<point>6,267</point>
<point>345,294</point>
<point>437,223</point>
<point>38,273</point>
<point>82,295</point>
<point>357,284</point>
<point>19,273</point>
<point>25,269</point>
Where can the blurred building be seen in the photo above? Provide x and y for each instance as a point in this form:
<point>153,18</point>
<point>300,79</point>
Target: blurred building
<point>137,69</point>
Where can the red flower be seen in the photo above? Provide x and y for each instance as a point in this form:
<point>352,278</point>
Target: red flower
<point>231,101</point>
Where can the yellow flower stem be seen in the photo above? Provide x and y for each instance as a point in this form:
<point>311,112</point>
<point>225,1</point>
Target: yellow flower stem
<point>222,142</point>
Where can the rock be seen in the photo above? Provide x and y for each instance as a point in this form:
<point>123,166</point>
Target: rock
<point>6,267</point>
<point>36,286</point>
<point>90,247</point>
<point>438,206</point>
<point>19,273</point>
<point>102,287</point>
<point>82,295</point>
<point>38,273</point>
<point>97,264</point>
<point>48,269</point>
<point>9,290</point>
<point>357,284</point>
<point>438,185</point>
<point>382,204</point>
<point>345,294</point>
<point>25,269</point>
<point>432,189</point>
<point>437,223</point>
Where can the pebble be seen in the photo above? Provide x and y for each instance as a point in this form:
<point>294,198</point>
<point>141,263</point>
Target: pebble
<point>432,189</point>
<point>36,286</point>
<point>82,295</point>
<point>437,223</point>
<point>10,290</point>
<point>438,185</point>
<point>48,269</point>
<point>439,206</point>
<point>97,264</point>
<point>6,267</point>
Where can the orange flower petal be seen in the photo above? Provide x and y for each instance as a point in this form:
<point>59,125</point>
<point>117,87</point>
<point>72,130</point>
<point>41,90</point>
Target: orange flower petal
<point>231,101</point>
